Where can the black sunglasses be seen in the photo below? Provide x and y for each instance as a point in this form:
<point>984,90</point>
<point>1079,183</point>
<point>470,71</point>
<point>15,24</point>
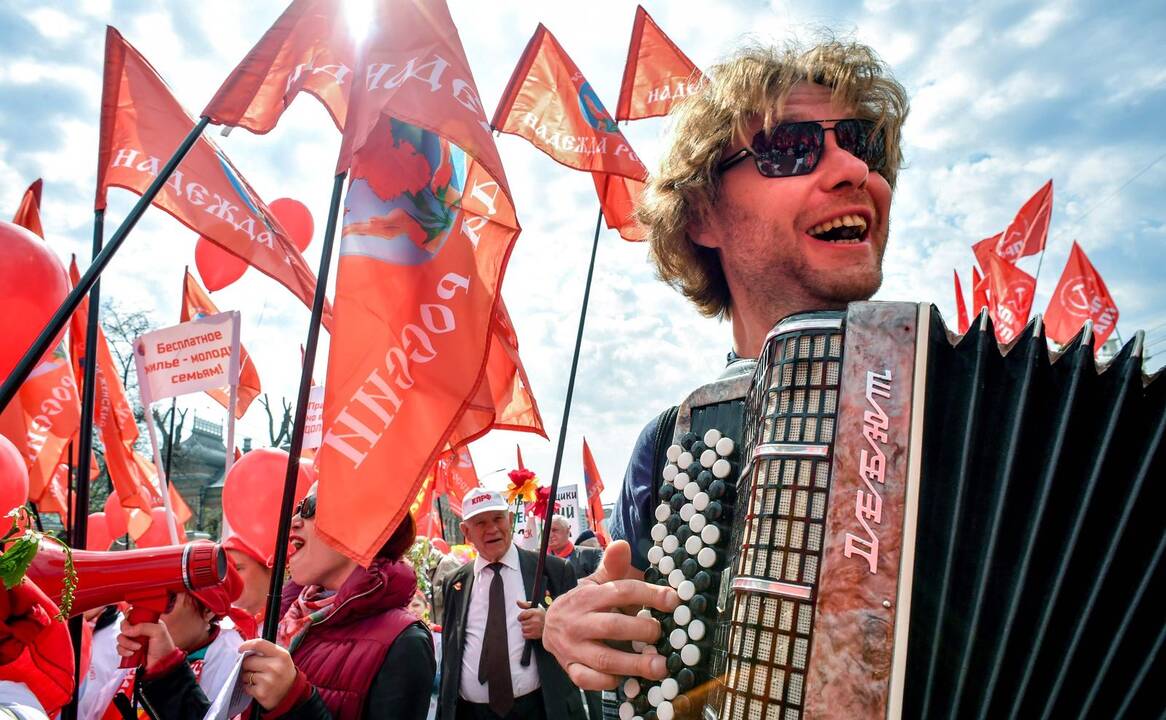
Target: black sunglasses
<point>795,148</point>
<point>306,508</point>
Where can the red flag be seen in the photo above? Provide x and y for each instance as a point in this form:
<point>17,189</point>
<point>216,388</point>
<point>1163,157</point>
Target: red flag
<point>456,476</point>
<point>40,421</point>
<point>28,214</point>
<point>594,486</point>
<point>195,304</point>
<point>1010,298</point>
<point>133,477</point>
<point>574,129</point>
<point>657,73</point>
<point>429,224</point>
<point>307,49</point>
<point>1029,230</point>
<point>1080,295</point>
<point>141,125</point>
<point>503,400</point>
<point>960,309</point>
<point>985,249</point>
<point>979,292</point>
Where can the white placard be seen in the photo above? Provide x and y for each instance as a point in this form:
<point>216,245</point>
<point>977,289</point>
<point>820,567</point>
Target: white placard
<point>189,357</point>
<point>314,425</point>
<point>526,534</point>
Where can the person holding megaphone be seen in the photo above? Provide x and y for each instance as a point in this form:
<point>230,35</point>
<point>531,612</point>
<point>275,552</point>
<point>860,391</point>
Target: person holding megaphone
<point>346,647</point>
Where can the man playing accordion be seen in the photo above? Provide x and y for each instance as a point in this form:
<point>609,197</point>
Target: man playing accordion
<point>773,197</point>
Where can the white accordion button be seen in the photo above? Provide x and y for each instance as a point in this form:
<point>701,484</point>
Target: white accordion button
<point>707,458</point>
<point>682,614</point>
<point>677,639</point>
<point>660,531</point>
<point>712,437</point>
<point>675,578</point>
<point>670,544</point>
<point>711,534</point>
<point>700,501</point>
<point>638,646</point>
<point>696,630</point>
<point>706,557</point>
<point>626,711</point>
<point>690,490</point>
<point>690,654</point>
<point>669,688</point>
<point>680,480</point>
<point>644,613</point>
<point>722,468</point>
<point>663,511</point>
<point>685,459</point>
<point>655,553</point>
<point>654,696</point>
<point>670,472</point>
<point>725,447</point>
<point>692,545</point>
<point>686,590</point>
<point>631,687</point>
<point>665,711</point>
<point>697,523</point>
<point>673,452</point>
<point>667,565</point>
<point>687,512</point>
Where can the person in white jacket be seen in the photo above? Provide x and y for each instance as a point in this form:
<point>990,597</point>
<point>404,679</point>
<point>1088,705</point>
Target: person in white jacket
<point>198,624</point>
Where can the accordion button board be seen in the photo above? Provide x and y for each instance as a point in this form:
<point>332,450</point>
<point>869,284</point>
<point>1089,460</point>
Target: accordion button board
<point>887,520</point>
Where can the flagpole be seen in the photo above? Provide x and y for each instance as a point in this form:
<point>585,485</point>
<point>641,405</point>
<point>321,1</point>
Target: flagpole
<point>233,402</point>
<point>170,433</point>
<point>43,341</point>
<point>79,534</point>
<point>70,511</point>
<point>537,588</point>
<point>271,618</point>
<point>163,476</point>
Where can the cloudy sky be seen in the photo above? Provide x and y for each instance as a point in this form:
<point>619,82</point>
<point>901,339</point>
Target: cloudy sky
<point>1004,96</point>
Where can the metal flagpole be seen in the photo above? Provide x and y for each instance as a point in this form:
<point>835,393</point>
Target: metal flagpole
<point>79,533</point>
<point>271,618</point>
<point>232,404</point>
<point>43,341</point>
<point>537,588</point>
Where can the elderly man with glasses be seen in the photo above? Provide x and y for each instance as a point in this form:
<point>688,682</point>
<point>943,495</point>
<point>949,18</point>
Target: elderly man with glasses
<point>773,197</point>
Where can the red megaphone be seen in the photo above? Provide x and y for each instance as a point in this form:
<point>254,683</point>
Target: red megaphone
<point>146,579</point>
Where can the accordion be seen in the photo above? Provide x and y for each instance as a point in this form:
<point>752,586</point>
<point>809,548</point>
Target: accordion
<point>885,520</point>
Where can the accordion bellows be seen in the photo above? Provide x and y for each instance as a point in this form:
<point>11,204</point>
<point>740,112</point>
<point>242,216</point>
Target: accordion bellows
<point>931,526</point>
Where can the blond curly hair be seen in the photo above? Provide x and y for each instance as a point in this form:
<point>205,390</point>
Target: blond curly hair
<point>753,83</point>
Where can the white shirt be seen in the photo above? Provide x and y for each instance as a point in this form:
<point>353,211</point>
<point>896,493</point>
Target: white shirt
<point>523,679</point>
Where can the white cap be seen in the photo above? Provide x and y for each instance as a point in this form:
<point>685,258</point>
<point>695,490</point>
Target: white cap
<point>480,500</point>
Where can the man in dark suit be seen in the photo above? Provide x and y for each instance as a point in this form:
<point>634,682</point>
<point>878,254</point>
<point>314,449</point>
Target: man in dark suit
<point>487,622</point>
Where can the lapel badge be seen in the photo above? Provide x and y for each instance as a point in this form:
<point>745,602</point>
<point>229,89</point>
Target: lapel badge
<point>547,600</point>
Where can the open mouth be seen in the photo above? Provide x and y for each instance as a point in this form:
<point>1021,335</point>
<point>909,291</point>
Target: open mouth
<point>843,230</point>
<point>295,544</point>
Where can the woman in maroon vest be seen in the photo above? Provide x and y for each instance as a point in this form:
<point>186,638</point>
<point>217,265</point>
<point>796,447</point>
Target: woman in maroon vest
<point>346,643</point>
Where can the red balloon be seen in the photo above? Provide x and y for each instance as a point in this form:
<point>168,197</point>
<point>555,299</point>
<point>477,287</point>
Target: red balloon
<point>33,284</point>
<point>116,519</point>
<point>217,267</point>
<point>253,493</point>
<point>97,535</point>
<point>296,219</point>
<point>13,477</point>
<point>158,534</point>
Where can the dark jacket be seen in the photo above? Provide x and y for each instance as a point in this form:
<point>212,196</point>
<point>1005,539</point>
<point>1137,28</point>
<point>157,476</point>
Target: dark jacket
<point>584,560</point>
<point>561,698</point>
<point>367,656</point>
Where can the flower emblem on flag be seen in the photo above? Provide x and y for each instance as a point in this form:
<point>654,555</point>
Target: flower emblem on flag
<point>405,195</point>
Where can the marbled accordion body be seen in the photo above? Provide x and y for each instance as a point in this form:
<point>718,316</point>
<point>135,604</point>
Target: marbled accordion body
<point>909,524</point>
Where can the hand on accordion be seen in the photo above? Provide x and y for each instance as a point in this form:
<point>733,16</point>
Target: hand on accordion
<point>581,623</point>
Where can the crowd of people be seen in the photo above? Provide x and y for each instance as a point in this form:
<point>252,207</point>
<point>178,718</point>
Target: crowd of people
<point>737,239</point>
